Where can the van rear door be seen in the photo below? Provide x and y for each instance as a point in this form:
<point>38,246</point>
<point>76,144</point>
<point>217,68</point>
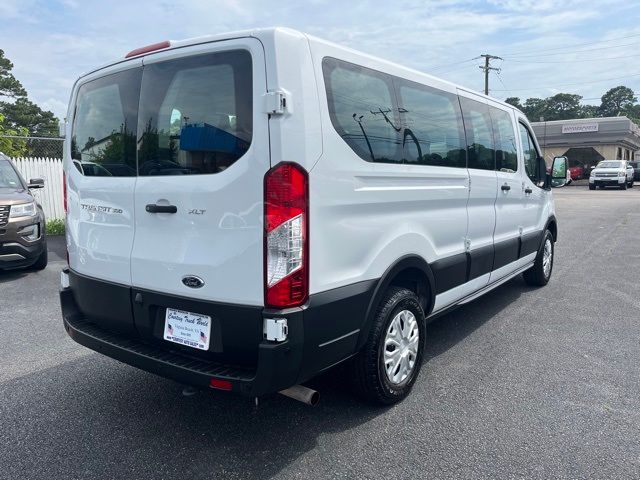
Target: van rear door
<point>100,167</point>
<point>202,154</point>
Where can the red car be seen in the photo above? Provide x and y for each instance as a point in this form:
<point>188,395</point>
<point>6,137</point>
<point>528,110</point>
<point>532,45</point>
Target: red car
<point>577,172</point>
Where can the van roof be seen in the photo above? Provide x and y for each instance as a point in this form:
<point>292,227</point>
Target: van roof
<point>271,32</point>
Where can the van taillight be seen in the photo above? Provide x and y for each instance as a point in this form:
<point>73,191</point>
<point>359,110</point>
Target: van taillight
<point>286,238</point>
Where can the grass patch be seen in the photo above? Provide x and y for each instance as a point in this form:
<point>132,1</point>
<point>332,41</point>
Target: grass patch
<point>55,227</point>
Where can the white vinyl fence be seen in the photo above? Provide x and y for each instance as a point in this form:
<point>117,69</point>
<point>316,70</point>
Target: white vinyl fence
<point>49,169</point>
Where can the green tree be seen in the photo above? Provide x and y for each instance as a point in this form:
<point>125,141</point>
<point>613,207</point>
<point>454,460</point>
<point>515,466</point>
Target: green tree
<point>588,111</point>
<point>515,101</point>
<point>121,148</point>
<point>9,85</point>
<point>617,101</point>
<point>563,106</point>
<point>25,113</point>
<point>14,147</point>
<point>634,113</point>
<point>535,108</point>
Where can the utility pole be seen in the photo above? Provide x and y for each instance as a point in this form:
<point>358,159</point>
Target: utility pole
<point>486,68</point>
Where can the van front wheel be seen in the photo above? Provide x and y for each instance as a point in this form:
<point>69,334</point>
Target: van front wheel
<point>388,365</point>
<point>540,273</point>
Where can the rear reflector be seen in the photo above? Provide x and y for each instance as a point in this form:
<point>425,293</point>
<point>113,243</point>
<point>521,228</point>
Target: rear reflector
<point>149,48</point>
<point>220,384</point>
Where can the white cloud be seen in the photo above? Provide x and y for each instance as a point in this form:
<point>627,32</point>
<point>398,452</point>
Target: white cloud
<point>71,37</point>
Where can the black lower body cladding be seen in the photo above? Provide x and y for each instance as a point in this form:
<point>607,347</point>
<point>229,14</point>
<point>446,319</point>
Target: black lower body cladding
<point>127,324</point>
<point>15,250</point>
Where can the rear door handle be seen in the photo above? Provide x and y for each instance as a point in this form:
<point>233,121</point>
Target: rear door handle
<point>505,188</point>
<point>528,190</point>
<point>153,208</point>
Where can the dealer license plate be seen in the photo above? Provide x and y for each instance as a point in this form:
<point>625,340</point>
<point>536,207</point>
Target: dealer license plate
<point>186,328</point>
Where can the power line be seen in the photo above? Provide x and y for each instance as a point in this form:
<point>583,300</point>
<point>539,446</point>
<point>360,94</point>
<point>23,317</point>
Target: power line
<point>545,54</point>
<point>574,84</point>
<point>452,64</point>
<point>577,44</point>
<point>487,68</point>
<point>455,69</point>
<point>574,61</point>
<point>502,83</point>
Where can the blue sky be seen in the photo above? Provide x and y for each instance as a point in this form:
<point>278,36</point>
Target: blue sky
<point>574,46</point>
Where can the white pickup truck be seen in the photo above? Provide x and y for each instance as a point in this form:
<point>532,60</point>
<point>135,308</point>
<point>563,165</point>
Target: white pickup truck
<point>611,173</point>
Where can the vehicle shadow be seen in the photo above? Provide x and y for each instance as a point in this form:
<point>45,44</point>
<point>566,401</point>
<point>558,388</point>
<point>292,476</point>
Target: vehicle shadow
<point>12,275</point>
<point>57,251</point>
<point>97,417</point>
<point>450,329</point>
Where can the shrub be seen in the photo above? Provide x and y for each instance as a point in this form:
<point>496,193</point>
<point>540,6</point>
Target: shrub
<point>55,227</point>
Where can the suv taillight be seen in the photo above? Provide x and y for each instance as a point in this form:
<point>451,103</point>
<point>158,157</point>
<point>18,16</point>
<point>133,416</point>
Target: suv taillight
<point>286,237</point>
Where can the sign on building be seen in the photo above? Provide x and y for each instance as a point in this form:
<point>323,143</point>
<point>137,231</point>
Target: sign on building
<point>581,128</point>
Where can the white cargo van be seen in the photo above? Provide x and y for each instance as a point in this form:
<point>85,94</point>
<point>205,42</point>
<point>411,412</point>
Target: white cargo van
<point>247,210</point>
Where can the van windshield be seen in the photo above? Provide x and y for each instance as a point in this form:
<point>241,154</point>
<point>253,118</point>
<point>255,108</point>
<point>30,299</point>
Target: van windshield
<point>610,164</point>
<point>8,176</point>
<point>191,115</point>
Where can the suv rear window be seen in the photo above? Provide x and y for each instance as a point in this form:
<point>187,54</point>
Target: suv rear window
<point>192,115</point>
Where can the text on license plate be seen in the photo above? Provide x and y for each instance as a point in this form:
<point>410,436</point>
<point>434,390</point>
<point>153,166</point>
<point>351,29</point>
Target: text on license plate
<point>186,328</point>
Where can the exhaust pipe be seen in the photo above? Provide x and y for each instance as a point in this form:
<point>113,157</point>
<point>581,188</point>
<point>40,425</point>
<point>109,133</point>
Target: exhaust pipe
<point>302,394</point>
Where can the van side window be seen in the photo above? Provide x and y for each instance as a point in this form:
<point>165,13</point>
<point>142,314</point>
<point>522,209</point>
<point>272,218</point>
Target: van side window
<point>505,140</point>
<point>477,124</point>
<point>363,110</point>
<point>103,138</point>
<point>530,153</point>
<point>432,126</point>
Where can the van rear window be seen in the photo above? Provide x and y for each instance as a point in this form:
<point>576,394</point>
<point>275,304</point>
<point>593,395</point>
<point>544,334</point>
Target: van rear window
<point>188,116</point>
<point>103,142</point>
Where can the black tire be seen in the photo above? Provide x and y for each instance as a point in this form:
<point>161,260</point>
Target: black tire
<point>43,259</point>
<point>536,276</point>
<point>623,186</point>
<point>631,184</point>
<point>592,187</point>
<point>371,381</point>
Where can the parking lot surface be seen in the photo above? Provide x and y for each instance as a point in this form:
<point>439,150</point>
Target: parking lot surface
<point>521,383</point>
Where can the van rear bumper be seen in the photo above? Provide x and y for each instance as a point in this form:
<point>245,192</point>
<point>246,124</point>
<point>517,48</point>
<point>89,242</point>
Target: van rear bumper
<point>277,366</point>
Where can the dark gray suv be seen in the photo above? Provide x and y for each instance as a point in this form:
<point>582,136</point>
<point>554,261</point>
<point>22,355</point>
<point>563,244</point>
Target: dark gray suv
<point>22,236</point>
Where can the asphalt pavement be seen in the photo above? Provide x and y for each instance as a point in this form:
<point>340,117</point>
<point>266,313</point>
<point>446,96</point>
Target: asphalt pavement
<point>521,383</point>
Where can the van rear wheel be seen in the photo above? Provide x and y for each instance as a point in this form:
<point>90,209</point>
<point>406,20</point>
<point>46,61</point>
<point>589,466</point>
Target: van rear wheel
<point>540,273</point>
<point>386,368</point>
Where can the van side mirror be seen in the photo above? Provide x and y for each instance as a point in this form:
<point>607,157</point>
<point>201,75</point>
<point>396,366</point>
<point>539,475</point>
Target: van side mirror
<point>36,183</point>
<point>559,172</point>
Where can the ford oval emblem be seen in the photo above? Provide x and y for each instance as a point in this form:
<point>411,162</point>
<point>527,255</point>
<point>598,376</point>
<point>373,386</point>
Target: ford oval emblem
<point>192,281</point>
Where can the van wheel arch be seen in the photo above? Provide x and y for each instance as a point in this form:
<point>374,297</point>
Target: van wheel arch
<point>411,272</point>
<point>552,226</point>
